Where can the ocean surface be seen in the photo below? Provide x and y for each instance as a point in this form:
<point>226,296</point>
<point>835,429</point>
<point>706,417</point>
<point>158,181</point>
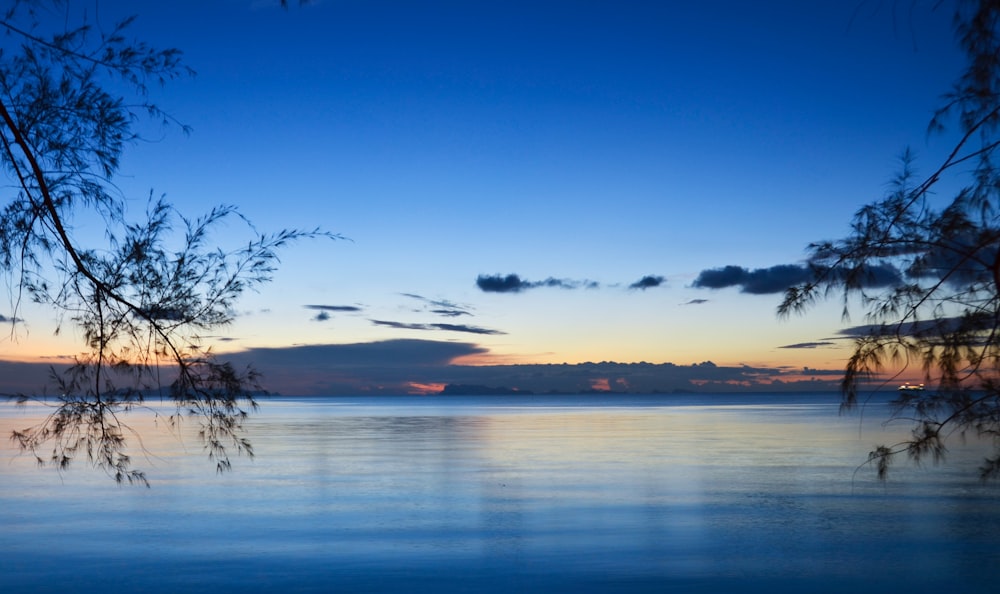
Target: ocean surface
<point>712,493</point>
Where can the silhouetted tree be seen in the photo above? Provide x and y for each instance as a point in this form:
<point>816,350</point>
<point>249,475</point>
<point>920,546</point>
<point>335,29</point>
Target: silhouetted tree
<point>71,99</point>
<point>944,314</point>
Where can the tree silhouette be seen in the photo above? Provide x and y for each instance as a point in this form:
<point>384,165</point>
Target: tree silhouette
<point>71,99</point>
<point>944,314</point>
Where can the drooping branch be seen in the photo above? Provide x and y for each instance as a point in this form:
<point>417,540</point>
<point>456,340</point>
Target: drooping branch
<point>139,307</point>
<point>942,310</point>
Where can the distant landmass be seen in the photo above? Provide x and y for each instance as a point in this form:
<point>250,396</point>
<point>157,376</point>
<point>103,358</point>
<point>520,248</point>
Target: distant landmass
<point>422,367</point>
<point>476,390</point>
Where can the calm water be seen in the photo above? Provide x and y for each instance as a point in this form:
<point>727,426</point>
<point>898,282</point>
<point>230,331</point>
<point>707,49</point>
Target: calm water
<point>498,494</point>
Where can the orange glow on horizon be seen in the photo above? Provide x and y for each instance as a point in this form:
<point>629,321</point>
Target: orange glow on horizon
<point>600,384</point>
<point>22,357</point>
<point>488,359</point>
<point>418,388</point>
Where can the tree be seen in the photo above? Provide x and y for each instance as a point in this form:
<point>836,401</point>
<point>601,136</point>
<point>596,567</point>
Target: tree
<point>71,101</point>
<point>943,315</point>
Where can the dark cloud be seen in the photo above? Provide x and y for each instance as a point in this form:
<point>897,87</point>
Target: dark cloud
<point>385,367</point>
<point>324,310</point>
<point>882,275</point>
<point>386,354</point>
<point>219,338</point>
<point>922,328</point>
<point>808,345</point>
<point>760,281</point>
<point>647,282</point>
<point>950,259</point>
<point>450,313</point>
<point>466,328</point>
<point>501,284</point>
<point>442,327</point>
<point>869,276</point>
<point>335,308</point>
<point>720,278</point>
<point>513,283</point>
<point>5,319</point>
<point>777,279</point>
<point>695,302</point>
<point>400,325</point>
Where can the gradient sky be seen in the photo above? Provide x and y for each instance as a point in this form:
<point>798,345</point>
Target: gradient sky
<point>582,146</point>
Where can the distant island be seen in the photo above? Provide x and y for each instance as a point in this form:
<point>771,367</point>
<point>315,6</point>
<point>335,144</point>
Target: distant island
<point>477,390</point>
<point>425,367</point>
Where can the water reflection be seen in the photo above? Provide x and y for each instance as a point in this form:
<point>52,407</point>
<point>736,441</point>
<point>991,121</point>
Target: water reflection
<point>492,495</point>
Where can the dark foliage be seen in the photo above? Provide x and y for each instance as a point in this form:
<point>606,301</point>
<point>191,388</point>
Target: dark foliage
<point>943,313</point>
<point>71,100</point>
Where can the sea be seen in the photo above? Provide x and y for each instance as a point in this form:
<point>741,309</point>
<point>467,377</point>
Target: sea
<point>585,493</point>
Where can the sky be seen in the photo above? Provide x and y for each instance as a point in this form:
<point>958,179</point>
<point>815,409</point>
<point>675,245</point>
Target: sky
<point>527,184</point>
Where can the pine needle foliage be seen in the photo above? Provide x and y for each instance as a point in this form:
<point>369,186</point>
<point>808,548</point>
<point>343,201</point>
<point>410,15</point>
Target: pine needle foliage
<point>72,100</point>
<point>943,315</point>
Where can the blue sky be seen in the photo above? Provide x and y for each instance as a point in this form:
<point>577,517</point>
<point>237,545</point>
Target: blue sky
<point>591,143</point>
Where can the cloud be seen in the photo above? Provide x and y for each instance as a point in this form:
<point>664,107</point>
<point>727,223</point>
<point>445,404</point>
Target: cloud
<point>219,338</point>
<point>441,307</point>
<point>450,313</point>
<point>379,354</point>
<point>400,325</point>
<point>324,310</point>
<point>465,328</point>
<point>328,308</point>
<point>761,281</point>
<point>5,319</point>
<point>647,282</point>
<point>777,279</point>
<point>695,302</point>
<point>384,367</point>
<point>442,327</point>
<point>513,283</point>
<point>808,345</point>
<point>928,329</point>
<point>950,260</point>
<point>501,284</point>
<point>882,275</point>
